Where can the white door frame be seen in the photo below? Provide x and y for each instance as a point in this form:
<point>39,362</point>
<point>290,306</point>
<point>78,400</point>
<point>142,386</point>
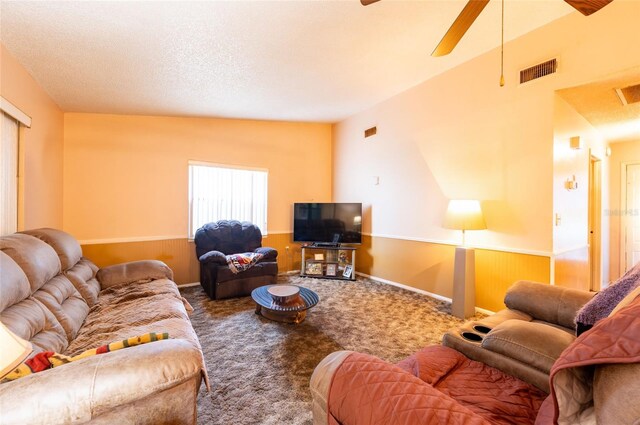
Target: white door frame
<point>594,236</point>
<point>622,261</point>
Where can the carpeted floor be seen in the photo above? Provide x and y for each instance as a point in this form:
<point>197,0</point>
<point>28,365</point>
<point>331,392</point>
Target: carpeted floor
<point>260,369</point>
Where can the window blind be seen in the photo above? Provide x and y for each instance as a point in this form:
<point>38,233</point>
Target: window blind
<point>225,193</point>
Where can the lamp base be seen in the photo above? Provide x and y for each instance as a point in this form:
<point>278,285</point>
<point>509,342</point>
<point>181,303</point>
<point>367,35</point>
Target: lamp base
<point>464,283</point>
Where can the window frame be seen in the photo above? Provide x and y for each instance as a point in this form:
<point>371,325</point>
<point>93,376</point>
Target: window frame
<point>11,176</point>
<point>192,231</point>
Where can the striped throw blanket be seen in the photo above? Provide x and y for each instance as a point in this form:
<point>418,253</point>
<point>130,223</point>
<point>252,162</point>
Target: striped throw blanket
<point>48,359</point>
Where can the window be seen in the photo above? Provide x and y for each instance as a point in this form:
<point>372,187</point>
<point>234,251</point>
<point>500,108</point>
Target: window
<point>8,175</point>
<point>220,192</point>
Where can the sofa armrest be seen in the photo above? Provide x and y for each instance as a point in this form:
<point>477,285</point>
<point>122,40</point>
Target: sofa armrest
<point>213,257</point>
<point>270,254</point>
<point>133,271</point>
<point>359,389</point>
<point>551,304</point>
<point>321,384</point>
<point>87,388</point>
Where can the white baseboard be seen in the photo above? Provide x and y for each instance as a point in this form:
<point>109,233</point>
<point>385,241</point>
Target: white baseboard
<point>188,285</point>
<point>419,291</point>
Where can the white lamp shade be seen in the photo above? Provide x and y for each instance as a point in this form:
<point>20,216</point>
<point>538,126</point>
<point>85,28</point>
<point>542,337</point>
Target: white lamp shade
<point>14,350</point>
<point>464,215</point>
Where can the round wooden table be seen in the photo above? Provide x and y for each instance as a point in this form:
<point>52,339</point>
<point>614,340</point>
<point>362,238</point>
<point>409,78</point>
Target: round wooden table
<point>292,311</point>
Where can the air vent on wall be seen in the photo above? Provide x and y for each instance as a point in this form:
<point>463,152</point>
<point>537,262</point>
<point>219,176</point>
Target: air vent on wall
<point>537,71</point>
<point>629,94</point>
<point>370,132</point>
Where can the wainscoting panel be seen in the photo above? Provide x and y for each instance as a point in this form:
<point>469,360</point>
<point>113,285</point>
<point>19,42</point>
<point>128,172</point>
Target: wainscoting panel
<point>179,254</point>
<point>429,266</point>
<point>572,269</point>
<point>280,241</point>
<point>425,266</point>
<point>496,271</point>
<point>422,265</point>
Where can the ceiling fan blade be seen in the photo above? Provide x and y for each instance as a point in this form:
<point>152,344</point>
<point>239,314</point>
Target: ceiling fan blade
<point>587,7</point>
<point>368,2</point>
<point>459,27</point>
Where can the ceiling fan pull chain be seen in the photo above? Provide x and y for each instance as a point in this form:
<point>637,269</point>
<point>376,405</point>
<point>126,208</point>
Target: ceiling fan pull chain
<point>502,50</point>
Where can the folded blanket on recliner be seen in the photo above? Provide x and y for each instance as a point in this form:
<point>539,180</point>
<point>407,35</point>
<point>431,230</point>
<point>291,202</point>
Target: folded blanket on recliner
<point>241,262</point>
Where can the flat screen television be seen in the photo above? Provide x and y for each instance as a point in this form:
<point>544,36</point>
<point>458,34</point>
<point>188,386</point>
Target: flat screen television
<point>327,223</point>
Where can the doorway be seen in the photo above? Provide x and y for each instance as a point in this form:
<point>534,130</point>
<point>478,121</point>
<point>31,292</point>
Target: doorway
<point>630,216</point>
<point>595,222</point>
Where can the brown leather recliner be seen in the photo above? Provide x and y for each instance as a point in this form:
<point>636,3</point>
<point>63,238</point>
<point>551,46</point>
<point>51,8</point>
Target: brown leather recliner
<point>215,241</point>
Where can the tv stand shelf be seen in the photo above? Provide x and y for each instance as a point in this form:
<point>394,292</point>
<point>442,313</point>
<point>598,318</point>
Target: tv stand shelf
<point>328,262</point>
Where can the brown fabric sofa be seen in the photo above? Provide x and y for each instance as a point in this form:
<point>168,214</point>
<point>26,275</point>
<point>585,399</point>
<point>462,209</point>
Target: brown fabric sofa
<point>526,338</point>
<point>60,301</point>
<point>595,378</point>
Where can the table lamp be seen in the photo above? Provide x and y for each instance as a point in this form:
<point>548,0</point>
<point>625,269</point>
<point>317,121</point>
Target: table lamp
<point>14,350</point>
<point>464,215</point>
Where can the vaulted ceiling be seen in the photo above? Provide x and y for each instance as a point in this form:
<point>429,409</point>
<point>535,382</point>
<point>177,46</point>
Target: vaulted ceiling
<point>601,105</point>
<point>277,60</point>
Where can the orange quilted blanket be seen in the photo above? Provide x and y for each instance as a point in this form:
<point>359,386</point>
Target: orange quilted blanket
<point>437,385</point>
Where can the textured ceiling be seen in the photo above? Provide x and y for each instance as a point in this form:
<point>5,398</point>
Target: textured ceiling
<point>278,60</point>
<point>601,106</point>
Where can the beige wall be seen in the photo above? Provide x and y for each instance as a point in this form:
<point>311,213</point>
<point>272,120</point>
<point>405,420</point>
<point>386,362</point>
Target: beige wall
<point>621,153</point>
<point>459,135</point>
<point>126,176</point>
<point>41,146</point>
<point>126,181</point>
<point>570,234</point>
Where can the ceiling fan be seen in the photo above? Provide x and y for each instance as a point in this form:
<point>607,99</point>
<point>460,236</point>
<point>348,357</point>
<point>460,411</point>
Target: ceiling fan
<point>473,9</point>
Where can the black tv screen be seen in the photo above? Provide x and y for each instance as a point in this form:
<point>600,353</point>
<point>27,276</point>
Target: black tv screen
<point>327,222</point>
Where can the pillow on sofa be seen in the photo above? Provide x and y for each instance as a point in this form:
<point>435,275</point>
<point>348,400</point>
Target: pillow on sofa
<point>48,359</point>
<point>603,303</point>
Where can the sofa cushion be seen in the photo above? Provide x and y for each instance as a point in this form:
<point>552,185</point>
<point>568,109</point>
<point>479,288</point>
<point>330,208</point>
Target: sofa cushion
<point>133,271</point>
<point>228,237</point>
<point>126,310</point>
<point>553,304</point>
<point>213,257</point>
<point>535,344</point>
<point>36,259</point>
<point>258,269</point>
<point>14,285</point>
<point>65,245</point>
<point>32,321</point>
<point>83,277</point>
<point>66,304</point>
<point>24,315</point>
